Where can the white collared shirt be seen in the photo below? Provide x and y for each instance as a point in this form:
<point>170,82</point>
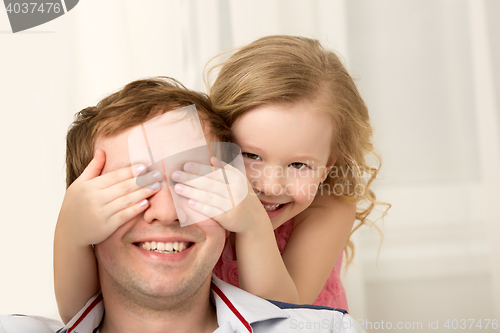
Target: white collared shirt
<point>237,311</point>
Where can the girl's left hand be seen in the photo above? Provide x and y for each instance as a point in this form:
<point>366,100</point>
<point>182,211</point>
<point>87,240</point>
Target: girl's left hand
<point>234,205</point>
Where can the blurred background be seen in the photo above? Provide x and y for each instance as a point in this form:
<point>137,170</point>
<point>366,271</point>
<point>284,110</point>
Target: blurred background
<point>428,70</point>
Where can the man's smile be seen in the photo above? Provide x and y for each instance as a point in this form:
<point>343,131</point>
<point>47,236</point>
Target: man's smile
<point>170,248</point>
<point>165,247</point>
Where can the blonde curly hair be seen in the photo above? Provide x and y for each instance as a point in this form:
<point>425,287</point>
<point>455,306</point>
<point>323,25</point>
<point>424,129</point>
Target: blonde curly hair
<point>290,69</point>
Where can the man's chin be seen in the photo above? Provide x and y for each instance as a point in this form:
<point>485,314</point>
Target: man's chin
<point>166,293</point>
<point>153,282</point>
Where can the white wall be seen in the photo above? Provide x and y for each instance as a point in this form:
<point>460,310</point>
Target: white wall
<point>429,73</point>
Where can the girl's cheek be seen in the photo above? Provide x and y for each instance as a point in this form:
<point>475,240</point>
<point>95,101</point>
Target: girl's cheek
<point>253,170</point>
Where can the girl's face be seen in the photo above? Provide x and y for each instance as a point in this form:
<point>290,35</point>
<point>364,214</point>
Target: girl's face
<point>287,154</point>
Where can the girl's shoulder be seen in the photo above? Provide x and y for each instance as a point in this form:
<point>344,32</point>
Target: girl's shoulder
<point>326,205</point>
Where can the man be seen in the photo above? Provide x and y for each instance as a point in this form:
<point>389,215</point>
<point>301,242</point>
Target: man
<point>151,291</point>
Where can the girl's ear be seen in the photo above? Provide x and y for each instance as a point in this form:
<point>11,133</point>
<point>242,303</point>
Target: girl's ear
<point>329,166</point>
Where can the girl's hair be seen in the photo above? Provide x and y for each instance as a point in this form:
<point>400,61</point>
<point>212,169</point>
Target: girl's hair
<point>289,69</point>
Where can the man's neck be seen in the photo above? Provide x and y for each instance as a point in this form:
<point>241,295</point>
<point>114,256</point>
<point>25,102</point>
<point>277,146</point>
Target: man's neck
<point>123,317</point>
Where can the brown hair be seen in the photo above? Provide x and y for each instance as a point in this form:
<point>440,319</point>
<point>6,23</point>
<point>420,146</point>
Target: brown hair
<point>289,69</point>
<point>136,103</point>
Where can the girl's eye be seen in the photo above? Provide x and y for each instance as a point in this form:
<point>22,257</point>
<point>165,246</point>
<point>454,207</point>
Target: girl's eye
<point>251,156</point>
<point>298,165</point>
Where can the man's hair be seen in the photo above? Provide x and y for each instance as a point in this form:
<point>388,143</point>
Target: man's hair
<point>136,103</point>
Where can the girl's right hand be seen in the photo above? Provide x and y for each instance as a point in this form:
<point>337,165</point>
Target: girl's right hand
<point>234,205</point>
<point>96,205</point>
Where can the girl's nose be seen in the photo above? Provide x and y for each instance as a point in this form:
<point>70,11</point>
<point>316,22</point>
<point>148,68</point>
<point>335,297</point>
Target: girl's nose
<point>273,184</point>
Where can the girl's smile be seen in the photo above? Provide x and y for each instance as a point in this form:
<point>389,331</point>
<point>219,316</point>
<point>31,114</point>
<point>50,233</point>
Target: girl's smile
<point>274,210</point>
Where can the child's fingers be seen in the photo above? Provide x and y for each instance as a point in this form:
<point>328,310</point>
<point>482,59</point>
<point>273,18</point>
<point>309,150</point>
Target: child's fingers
<point>120,175</point>
<point>127,200</point>
<point>213,172</point>
<point>125,215</point>
<point>206,210</point>
<point>202,183</point>
<point>131,185</point>
<point>94,168</point>
<point>198,168</point>
<point>228,168</point>
<point>147,179</point>
<point>232,174</point>
<point>204,197</point>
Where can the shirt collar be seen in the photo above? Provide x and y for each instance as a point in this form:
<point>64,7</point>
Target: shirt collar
<point>89,318</point>
<point>234,306</point>
<point>240,308</point>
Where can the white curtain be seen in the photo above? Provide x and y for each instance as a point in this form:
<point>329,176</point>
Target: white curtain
<point>429,74</point>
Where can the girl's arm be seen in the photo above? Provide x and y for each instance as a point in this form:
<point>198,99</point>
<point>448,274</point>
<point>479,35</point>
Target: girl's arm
<point>298,276</point>
<point>320,234</point>
<point>261,269</point>
<point>94,206</point>
<point>75,273</point>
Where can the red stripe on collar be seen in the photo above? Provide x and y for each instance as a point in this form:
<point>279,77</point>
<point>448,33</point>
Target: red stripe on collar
<point>86,312</point>
<point>231,306</point>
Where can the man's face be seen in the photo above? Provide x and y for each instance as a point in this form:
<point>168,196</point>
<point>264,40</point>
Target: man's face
<point>139,273</point>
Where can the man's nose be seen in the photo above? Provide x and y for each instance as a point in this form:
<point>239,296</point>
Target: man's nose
<point>161,208</point>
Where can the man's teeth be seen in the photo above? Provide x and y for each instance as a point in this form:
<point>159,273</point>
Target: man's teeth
<point>271,207</point>
<point>171,247</point>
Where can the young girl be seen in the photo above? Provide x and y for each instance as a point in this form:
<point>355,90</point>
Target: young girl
<point>300,122</point>
<point>304,132</point>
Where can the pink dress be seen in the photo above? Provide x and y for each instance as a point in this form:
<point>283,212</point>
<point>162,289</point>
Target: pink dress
<point>333,293</point>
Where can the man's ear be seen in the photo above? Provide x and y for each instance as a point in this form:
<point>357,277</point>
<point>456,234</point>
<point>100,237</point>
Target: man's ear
<point>329,166</point>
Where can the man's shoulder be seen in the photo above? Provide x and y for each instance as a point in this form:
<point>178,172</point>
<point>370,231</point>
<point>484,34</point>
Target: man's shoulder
<point>305,307</point>
<point>312,318</point>
<point>248,312</point>
<point>28,324</point>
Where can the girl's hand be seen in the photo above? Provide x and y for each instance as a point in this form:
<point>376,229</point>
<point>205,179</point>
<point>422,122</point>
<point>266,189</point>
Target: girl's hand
<point>234,205</point>
<point>96,205</point>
